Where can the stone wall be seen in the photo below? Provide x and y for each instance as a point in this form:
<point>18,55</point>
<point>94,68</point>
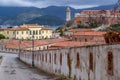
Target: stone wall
<point>81,63</point>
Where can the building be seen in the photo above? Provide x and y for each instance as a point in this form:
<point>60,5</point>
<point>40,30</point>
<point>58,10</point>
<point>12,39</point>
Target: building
<point>97,37</point>
<point>55,35</point>
<point>72,31</point>
<point>27,31</point>
<point>68,14</point>
<point>100,16</point>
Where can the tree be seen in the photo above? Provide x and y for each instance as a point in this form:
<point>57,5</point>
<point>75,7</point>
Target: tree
<point>61,32</point>
<point>2,36</point>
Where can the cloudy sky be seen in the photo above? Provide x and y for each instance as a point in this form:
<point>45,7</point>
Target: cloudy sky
<point>45,3</point>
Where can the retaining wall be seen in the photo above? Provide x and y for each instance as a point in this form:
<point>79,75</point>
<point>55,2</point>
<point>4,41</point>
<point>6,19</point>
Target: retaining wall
<point>81,63</point>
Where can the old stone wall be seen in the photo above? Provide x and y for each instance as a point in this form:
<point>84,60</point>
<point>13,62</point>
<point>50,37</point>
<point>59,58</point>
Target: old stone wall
<point>81,63</point>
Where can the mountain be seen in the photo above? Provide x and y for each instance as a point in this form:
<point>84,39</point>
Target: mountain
<point>20,15</point>
<point>104,7</point>
<point>59,11</point>
<point>14,11</point>
<point>47,20</point>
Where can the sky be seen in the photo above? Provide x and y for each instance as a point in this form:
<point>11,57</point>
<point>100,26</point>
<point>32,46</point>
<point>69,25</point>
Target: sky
<point>44,3</point>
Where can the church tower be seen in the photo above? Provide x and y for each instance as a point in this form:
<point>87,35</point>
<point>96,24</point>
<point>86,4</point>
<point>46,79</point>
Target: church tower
<point>68,14</point>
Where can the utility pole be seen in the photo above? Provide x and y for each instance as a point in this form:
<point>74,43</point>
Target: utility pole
<point>33,50</point>
<point>19,47</point>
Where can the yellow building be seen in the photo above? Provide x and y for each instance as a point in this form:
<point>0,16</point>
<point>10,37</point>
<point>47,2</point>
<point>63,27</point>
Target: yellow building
<point>27,31</point>
<point>39,32</point>
<point>8,33</point>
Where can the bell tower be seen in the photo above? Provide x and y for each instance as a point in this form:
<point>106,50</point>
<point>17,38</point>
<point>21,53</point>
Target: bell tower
<point>68,14</point>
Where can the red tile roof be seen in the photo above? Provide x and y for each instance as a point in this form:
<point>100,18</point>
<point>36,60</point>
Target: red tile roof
<point>74,44</point>
<point>45,28</point>
<point>80,30</point>
<point>14,44</point>
<point>89,33</point>
<point>1,29</point>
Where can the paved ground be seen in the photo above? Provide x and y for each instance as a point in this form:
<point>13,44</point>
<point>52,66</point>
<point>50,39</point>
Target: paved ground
<point>12,69</point>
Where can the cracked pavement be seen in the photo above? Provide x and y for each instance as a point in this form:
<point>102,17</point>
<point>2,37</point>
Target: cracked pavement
<point>12,69</point>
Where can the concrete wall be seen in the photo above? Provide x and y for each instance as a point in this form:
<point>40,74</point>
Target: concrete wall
<point>66,62</point>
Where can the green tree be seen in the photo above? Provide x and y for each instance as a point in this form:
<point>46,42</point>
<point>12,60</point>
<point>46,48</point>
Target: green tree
<point>61,32</point>
<point>2,36</point>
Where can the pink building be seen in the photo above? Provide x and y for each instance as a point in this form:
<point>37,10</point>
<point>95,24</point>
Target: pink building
<point>104,16</point>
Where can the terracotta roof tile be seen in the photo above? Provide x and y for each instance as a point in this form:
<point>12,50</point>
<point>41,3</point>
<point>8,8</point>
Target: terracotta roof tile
<point>74,44</point>
<point>45,28</point>
<point>14,44</point>
<point>1,29</point>
<point>80,30</point>
<point>89,33</point>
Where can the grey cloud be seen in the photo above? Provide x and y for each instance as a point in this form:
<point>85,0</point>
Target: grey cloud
<point>44,3</point>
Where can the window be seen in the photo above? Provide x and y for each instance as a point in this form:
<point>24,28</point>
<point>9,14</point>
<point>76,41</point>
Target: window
<point>39,32</point>
<point>110,63</point>
<point>85,40</point>
<point>54,58</point>
<point>60,58</point>
<point>33,32</point>
<point>75,39</point>
<point>42,37</point>
<point>39,37</point>
<point>30,32</point>
<point>17,32</point>
<point>22,32</point>
<point>7,32</point>
<point>36,32</point>
<point>26,32</point>
<point>91,61</point>
<point>14,32</point>
<point>78,61</point>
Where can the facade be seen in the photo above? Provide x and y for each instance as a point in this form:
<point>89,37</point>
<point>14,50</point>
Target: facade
<point>26,31</point>
<point>101,16</point>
